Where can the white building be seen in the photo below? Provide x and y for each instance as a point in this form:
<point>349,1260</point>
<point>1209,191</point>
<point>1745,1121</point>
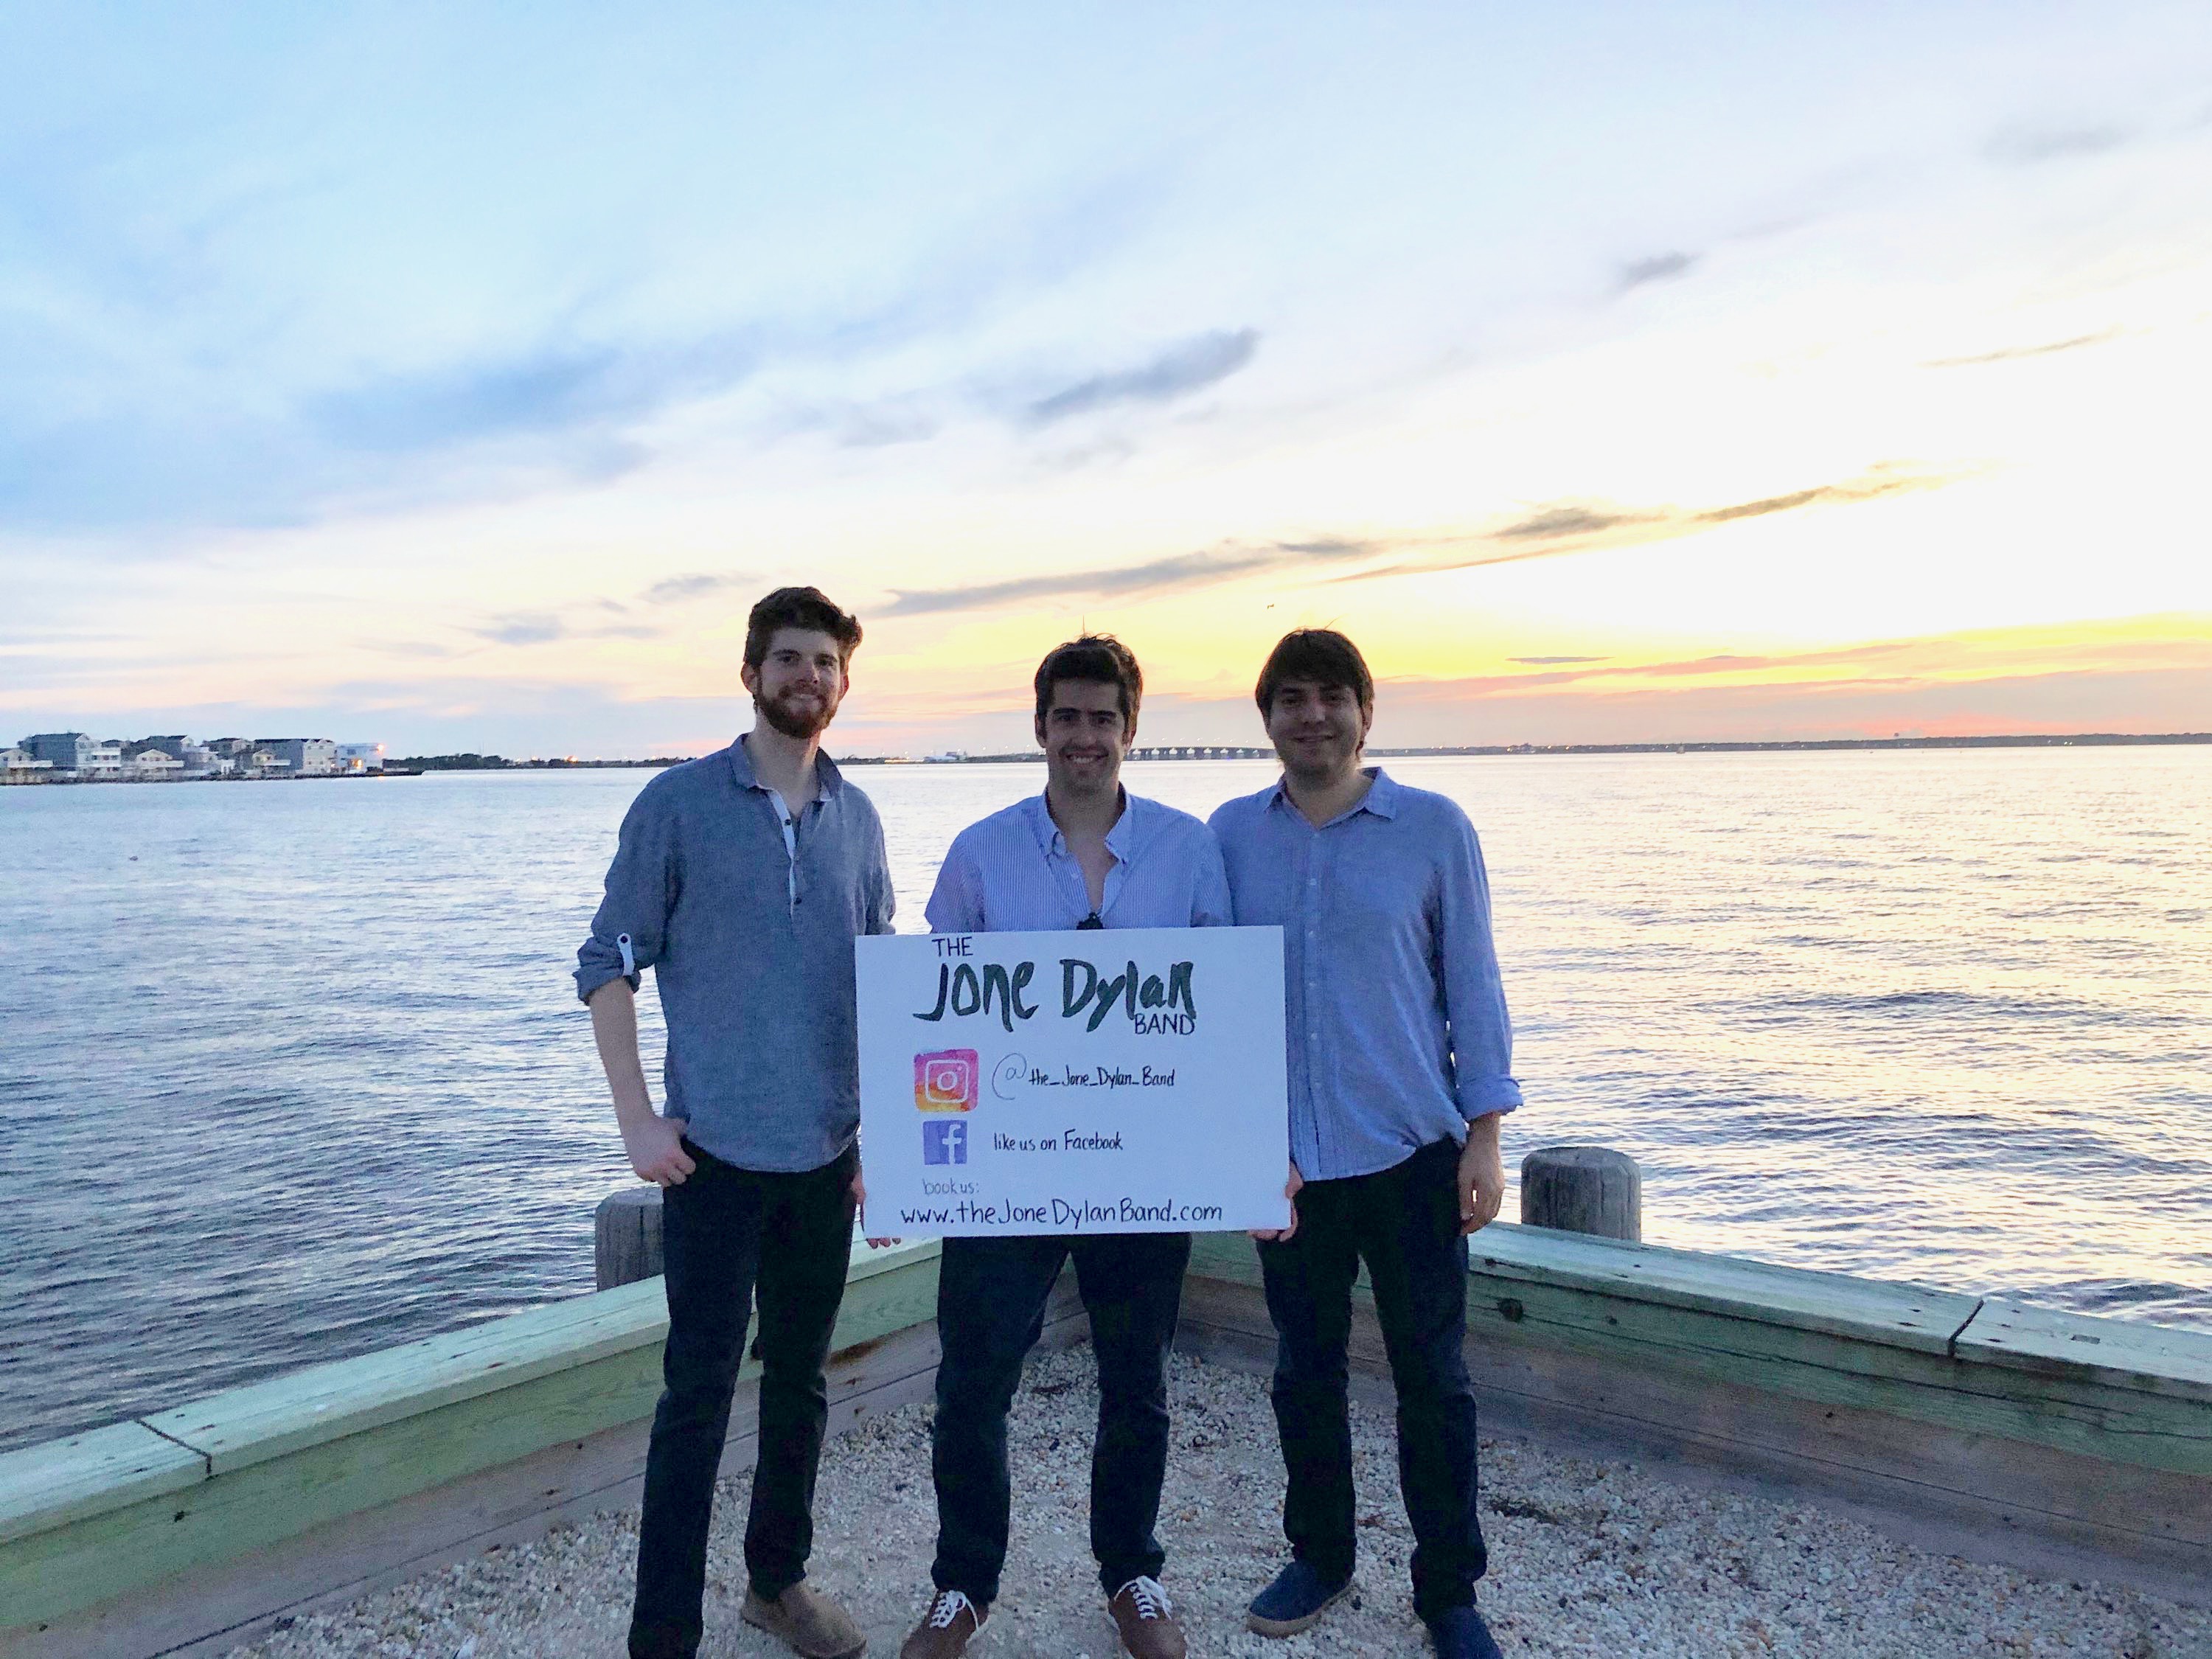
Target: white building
<point>103,759</point>
<point>153,765</point>
<point>21,766</point>
<point>303,757</point>
<point>65,751</point>
<point>361,757</point>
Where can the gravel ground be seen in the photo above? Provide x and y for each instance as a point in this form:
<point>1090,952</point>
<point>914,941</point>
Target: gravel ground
<point>1587,1558</point>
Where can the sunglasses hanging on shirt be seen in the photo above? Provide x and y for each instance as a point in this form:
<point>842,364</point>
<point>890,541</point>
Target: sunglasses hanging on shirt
<point>1089,922</point>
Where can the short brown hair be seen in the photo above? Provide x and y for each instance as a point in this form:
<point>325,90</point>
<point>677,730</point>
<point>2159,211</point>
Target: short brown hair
<point>1098,658</point>
<point>799,607</point>
<point>1321,655</point>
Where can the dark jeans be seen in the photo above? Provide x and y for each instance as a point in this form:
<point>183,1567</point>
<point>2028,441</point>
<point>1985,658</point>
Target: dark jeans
<point>728,1236</point>
<point>990,1295</point>
<point>1404,1221</point>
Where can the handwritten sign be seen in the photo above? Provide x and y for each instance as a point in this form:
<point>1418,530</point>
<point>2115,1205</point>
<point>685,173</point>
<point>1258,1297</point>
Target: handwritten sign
<point>1113,1081</point>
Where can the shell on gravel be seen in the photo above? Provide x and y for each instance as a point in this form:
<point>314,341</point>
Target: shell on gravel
<point>1596,1559</point>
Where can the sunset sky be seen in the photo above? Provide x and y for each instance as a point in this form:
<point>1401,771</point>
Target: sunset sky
<point>457,377</point>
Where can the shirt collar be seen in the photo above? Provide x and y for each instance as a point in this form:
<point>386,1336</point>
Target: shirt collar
<point>1119,839</point>
<point>1381,798</point>
<point>828,779</point>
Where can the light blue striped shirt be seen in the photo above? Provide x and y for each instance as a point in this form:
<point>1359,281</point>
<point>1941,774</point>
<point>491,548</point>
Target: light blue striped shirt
<point>1397,1031</point>
<point>1013,872</point>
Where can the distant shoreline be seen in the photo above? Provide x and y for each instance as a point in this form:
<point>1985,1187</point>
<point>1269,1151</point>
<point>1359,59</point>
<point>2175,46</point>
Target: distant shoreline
<point>416,765</point>
<point>1243,751</point>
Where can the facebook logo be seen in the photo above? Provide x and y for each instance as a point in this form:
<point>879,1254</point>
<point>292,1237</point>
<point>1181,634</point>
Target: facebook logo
<point>944,1141</point>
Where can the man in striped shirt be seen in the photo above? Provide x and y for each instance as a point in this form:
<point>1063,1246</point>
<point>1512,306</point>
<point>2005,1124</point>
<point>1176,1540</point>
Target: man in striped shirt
<point>1084,853</point>
<point>1400,1070</point>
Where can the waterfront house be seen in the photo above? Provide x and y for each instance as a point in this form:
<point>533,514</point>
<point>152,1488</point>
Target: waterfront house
<point>152,766</point>
<point>301,757</point>
<point>21,766</point>
<point>356,758</point>
<point>74,754</point>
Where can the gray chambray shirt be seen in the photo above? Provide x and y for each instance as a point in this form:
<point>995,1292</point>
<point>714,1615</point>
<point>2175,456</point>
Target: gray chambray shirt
<point>751,947</point>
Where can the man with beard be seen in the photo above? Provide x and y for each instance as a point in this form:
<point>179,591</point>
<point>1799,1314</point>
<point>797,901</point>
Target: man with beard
<point>742,880</point>
<point>1085,854</point>
<point>1400,1069</point>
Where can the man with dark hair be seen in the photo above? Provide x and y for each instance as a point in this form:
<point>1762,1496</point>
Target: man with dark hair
<point>1400,1069</point>
<point>742,880</point>
<point>1084,853</point>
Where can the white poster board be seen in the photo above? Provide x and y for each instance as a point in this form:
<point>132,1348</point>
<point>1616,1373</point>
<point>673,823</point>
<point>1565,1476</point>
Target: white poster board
<point>1109,1080</point>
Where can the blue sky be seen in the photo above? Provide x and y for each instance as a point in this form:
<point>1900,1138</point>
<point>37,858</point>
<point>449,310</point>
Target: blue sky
<point>457,376</point>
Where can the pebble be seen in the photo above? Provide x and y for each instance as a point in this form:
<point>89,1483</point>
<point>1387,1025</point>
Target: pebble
<point>1587,1558</point>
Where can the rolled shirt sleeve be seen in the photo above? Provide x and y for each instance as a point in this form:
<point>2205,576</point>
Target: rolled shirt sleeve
<point>1474,992</point>
<point>631,926</point>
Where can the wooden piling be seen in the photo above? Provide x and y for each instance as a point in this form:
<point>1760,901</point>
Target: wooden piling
<point>1583,1190</point>
<point>626,1236</point>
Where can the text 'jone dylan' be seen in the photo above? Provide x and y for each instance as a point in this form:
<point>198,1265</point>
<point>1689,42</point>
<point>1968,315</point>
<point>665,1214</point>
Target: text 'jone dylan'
<point>1153,1002</point>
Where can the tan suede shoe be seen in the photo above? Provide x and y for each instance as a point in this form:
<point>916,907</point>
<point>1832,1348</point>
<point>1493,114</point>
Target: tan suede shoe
<point>809,1625</point>
<point>946,1630</point>
<point>1147,1623</point>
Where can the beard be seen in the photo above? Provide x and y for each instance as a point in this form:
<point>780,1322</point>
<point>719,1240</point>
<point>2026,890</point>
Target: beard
<point>796,719</point>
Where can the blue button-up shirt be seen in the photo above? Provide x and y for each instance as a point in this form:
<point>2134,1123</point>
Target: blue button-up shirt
<point>1397,1034</point>
<point>1013,872</point>
<point>748,929</point>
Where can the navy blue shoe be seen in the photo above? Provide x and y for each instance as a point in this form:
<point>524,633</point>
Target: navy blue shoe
<point>1296,1601</point>
<point>1460,1633</point>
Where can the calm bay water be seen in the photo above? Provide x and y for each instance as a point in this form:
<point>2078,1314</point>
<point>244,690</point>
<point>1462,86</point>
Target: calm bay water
<point>290,1072</point>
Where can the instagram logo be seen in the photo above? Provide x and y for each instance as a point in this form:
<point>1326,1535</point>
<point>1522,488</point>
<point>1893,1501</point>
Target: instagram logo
<point>945,1081</point>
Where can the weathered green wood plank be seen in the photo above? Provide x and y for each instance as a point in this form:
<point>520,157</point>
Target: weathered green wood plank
<point>80,1474</point>
<point>1542,1289</point>
<point>327,1402</point>
<point>2112,1353</point>
<point>1913,1316</point>
<point>255,1501</point>
<point>866,1263</point>
<point>324,1402</point>
<point>69,1568</point>
<point>2118,1426</point>
<point>1910,1316</point>
<point>1224,1255</point>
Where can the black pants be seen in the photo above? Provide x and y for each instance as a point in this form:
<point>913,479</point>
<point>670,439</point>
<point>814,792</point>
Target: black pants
<point>990,1295</point>
<point>729,1234</point>
<point>1404,1222</point>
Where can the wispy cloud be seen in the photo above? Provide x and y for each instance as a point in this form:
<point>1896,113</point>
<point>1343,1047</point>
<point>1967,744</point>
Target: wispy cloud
<point>1575,527</point>
<point>675,590</point>
<point>553,389</point>
<point>585,618</point>
<point>1546,662</point>
<point>2009,354</point>
<point>542,627</point>
<point>1545,533</point>
<point>1552,524</point>
<point>1656,268</point>
<point>1209,565</point>
<point>1188,366</point>
<point>534,628</point>
<point>2029,146</point>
